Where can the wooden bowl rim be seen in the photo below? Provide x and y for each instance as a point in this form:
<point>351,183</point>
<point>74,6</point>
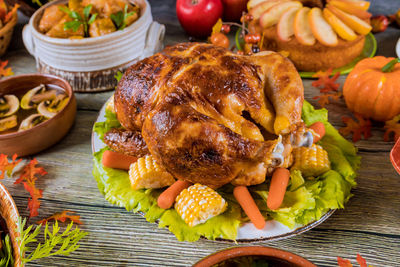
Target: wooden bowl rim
<point>253,251</point>
<point>67,89</point>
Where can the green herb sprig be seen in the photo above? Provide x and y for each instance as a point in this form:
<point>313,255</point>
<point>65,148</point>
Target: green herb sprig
<point>6,257</point>
<point>55,242</point>
<point>78,20</point>
<point>120,17</point>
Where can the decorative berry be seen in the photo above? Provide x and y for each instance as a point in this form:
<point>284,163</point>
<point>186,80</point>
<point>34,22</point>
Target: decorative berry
<point>219,39</point>
<point>255,48</point>
<point>240,52</point>
<point>379,23</point>
<point>246,18</point>
<point>225,28</point>
<point>252,38</point>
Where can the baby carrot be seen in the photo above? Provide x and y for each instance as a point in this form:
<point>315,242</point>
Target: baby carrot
<point>277,188</point>
<point>117,160</point>
<point>319,128</point>
<point>167,198</point>
<point>247,203</point>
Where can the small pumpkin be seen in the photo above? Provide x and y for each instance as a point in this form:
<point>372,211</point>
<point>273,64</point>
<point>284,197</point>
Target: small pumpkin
<point>372,88</point>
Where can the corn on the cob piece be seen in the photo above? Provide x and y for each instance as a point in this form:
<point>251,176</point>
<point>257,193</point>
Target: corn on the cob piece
<point>147,173</point>
<point>311,161</point>
<point>198,203</point>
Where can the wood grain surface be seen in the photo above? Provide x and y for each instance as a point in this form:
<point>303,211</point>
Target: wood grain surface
<point>370,224</point>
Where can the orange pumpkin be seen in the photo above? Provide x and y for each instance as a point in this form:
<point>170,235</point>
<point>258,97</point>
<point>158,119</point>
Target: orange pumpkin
<point>372,88</point>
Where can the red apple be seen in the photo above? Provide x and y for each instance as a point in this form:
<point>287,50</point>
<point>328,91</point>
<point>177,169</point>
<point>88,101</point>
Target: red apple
<point>197,17</point>
<point>233,9</point>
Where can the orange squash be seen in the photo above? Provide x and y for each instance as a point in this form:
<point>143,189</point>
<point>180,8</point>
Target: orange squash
<point>372,88</point>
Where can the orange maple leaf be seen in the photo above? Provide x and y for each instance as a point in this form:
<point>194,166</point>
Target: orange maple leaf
<point>33,201</point>
<point>361,261</point>
<point>28,178</point>
<point>5,71</point>
<point>7,167</point>
<point>324,99</point>
<point>362,127</point>
<point>29,172</point>
<point>325,83</point>
<point>10,14</point>
<point>343,262</point>
<point>62,217</point>
<point>392,126</point>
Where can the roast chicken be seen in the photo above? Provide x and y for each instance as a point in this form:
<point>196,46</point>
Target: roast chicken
<point>210,116</point>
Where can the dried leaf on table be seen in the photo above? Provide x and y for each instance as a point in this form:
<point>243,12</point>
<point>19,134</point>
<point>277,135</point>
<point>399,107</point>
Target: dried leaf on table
<point>361,261</point>
<point>392,127</point>
<point>325,83</point>
<point>33,201</point>
<point>362,127</point>
<point>10,14</point>
<point>62,217</point>
<point>6,166</point>
<point>343,262</point>
<point>5,71</point>
<point>324,98</point>
<point>28,178</point>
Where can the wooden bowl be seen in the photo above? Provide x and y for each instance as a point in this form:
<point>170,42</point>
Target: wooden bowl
<point>269,253</point>
<point>6,33</point>
<point>9,211</point>
<point>45,134</point>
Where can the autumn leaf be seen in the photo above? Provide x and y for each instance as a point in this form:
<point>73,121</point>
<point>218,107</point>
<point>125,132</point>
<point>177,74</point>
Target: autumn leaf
<point>5,71</point>
<point>10,14</point>
<point>362,127</point>
<point>324,99</point>
<point>325,83</point>
<point>33,201</point>
<point>361,261</point>
<point>217,27</point>
<point>7,167</point>
<point>391,126</point>
<point>30,171</point>
<point>343,262</point>
<point>28,178</point>
<point>62,217</point>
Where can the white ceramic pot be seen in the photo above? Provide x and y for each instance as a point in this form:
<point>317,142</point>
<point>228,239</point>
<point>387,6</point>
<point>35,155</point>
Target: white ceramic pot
<point>90,64</point>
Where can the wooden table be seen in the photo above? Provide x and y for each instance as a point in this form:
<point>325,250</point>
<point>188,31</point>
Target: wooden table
<point>370,224</point>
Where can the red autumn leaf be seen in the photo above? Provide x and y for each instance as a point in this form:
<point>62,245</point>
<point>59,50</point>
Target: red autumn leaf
<point>33,201</point>
<point>392,127</point>
<point>62,217</point>
<point>7,167</point>
<point>343,262</point>
<point>325,83</point>
<point>10,14</point>
<point>5,71</point>
<point>30,171</point>
<point>362,127</point>
<point>324,99</point>
<point>361,261</point>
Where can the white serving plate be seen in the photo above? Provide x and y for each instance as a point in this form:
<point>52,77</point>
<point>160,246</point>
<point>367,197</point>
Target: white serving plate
<point>398,48</point>
<point>273,230</point>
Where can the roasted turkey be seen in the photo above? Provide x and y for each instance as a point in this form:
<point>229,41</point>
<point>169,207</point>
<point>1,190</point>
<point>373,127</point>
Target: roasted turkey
<point>211,116</point>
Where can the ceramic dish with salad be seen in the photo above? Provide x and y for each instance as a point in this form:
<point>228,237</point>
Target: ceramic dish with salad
<point>288,173</point>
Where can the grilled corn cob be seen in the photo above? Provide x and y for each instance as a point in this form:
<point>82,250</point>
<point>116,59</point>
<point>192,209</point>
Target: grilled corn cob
<point>198,203</point>
<point>311,161</point>
<point>147,173</point>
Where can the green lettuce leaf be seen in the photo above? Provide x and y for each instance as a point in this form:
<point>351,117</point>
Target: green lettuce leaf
<point>305,200</point>
<point>115,186</point>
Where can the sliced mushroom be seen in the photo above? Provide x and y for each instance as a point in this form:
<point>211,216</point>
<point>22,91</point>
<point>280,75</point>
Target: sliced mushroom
<point>36,95</point>
<point>8,123</point>
<point>50,108</point>
<point>31,122</point>
<point>9,105</point>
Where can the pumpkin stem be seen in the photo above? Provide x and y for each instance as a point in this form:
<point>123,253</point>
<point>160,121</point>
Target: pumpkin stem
<point>390,66</point>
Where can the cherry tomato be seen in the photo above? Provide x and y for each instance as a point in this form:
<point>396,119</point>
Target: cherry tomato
<point>219,39</point>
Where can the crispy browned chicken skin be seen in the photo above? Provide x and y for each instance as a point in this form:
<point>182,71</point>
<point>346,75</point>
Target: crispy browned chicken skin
<point>205,113</point>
